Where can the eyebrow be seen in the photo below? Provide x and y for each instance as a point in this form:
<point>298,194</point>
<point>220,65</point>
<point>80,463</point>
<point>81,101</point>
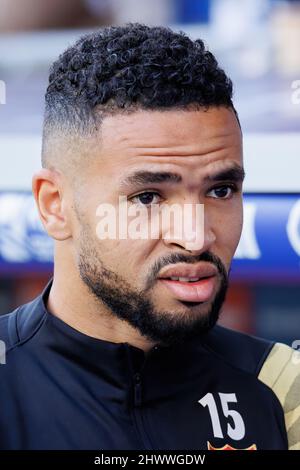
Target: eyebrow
<point>140,178</point>
<point>234,173</point>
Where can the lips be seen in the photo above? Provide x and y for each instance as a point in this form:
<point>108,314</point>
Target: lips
<point>190,283</point>
<point>189,272</point>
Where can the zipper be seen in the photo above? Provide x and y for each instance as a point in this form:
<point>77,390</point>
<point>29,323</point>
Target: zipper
<point>137,405</point>
<point>138,413</point>
<point>137,390</point>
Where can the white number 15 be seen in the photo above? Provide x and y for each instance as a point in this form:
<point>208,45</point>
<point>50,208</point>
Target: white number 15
<point>236,432</point>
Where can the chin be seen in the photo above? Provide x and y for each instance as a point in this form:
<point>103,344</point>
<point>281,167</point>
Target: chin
<point>180,308</point>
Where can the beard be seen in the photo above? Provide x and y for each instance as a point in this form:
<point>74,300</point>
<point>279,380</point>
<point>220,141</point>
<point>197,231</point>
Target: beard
<point>136,307</point>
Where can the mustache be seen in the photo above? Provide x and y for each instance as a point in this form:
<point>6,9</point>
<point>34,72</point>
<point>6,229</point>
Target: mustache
<point>174,258</point>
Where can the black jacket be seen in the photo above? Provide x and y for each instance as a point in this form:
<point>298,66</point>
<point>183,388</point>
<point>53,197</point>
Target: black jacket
<point>61,389</point>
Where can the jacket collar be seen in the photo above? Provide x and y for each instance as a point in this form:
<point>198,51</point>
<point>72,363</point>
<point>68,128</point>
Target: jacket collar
<point>161,368</point>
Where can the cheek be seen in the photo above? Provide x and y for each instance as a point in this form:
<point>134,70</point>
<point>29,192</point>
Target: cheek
<point>228,232</point>
<point>125,257</point>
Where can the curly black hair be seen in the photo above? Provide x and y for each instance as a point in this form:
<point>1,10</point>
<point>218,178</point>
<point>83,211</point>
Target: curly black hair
<point>133,66</point>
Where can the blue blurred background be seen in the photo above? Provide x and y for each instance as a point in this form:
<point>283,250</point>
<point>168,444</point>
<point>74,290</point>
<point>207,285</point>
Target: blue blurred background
<point>258,44</point>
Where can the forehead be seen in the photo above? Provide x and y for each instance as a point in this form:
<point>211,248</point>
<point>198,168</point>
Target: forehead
<point>177,129</point>
<point>176,138</point>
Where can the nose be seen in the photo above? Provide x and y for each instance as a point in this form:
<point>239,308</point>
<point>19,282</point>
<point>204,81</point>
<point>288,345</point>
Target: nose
<point>195,249</point>
<point>189,229</point>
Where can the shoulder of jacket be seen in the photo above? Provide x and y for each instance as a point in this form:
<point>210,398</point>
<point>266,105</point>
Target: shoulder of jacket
<point>242,351</point>
<point>281,372</point>
<point>19,325</point>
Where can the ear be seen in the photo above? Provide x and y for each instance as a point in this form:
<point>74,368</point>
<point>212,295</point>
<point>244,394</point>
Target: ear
<point>48,190</point>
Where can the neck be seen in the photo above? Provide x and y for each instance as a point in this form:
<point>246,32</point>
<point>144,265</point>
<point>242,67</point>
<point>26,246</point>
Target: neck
<point>72,302</point>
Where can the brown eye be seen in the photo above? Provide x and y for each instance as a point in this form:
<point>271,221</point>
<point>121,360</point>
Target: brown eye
<point>146,198</point>
<point>222,192</point>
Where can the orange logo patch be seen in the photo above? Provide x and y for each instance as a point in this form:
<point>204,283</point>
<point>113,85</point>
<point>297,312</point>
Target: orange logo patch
<point>228,447</point>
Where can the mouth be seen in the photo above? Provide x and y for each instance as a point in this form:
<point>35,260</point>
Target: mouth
<point>190,283</point>
<point>200,290</point>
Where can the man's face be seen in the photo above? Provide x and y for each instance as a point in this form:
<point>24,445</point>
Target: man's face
<point>134,158</point>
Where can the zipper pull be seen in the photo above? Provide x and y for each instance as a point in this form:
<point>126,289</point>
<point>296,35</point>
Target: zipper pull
<point>137,390</point>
